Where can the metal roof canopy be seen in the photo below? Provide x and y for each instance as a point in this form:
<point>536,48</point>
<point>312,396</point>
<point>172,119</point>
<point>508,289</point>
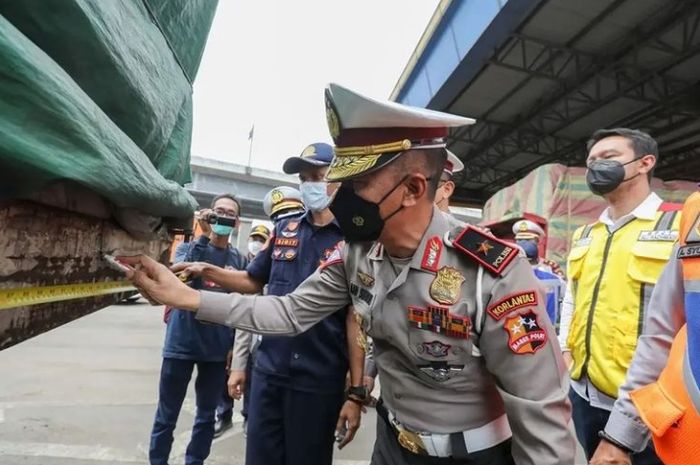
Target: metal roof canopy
<point>544,74</point>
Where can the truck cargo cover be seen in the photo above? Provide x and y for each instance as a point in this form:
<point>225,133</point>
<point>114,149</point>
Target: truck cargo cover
<point>99,93</point>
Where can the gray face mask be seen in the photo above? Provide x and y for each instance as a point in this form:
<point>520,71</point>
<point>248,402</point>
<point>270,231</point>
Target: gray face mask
<point>604,176</point>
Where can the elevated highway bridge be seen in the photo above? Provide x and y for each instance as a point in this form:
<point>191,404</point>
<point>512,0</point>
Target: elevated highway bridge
<point>540,76</point>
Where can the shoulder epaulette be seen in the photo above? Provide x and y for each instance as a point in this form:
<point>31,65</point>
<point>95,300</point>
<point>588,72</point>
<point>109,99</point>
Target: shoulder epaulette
<point>492,253</point>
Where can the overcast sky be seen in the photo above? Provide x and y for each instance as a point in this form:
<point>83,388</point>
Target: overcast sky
<point>267,62</point>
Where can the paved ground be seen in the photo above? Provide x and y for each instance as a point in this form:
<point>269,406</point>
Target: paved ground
<point>85,394</point>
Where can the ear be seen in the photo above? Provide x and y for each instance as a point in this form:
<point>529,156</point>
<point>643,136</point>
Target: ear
<point>449,187</point>
<point>648,163</point>
<point>416,188</point>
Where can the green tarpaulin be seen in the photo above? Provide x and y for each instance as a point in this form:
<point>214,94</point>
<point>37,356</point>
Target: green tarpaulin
<point>99,92</point>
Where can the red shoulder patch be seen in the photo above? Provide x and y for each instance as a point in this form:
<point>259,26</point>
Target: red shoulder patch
<point>335,257</point>
<point>494,254</point>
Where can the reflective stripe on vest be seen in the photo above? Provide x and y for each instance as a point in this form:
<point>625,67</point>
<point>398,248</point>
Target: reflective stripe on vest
<point>670,406</point>
<point>613,275</point>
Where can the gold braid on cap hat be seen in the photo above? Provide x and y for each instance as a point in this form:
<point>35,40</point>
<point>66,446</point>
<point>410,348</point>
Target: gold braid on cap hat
<point>367,150</point>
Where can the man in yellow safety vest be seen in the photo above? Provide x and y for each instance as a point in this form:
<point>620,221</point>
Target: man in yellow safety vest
<point>613,266</point>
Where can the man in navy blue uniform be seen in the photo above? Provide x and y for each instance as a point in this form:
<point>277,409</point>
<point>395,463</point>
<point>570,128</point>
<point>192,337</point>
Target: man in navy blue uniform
<point>189,342</point>
<point>298,383</point>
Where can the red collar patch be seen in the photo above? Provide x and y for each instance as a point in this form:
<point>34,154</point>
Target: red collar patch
<point>431,254</point>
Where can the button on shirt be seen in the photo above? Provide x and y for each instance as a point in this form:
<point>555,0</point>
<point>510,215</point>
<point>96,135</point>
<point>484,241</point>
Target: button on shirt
<point>186,338</point>
<point>583,387</point>
<point>316,360</point>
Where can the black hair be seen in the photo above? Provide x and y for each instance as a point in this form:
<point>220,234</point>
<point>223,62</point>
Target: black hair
<point>641,142</point>
<point>227,196</point>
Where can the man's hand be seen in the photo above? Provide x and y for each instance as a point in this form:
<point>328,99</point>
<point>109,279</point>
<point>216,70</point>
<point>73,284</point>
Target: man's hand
<point>202,216</point>
<point>236,384</point>
<point>158,284</point>
<point>609,454</point>
<point>568,359</point>
<point>188,269</point>
<point>348,422</point>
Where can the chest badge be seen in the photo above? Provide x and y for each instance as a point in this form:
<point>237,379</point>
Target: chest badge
<point>445,288</point>
<point>365,279</point>
<point>435,349</point>
<point>525,335</point>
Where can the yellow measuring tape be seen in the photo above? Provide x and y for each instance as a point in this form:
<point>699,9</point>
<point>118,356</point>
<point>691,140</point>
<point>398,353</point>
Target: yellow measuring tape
<point>20,297</point>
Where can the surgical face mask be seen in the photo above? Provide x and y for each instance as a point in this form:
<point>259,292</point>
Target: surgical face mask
<point>604,176</point>
<point>221,230</point>
<point>254,247</point>
<point>359,219</point>
<point>314,195</point>
<point>530,248</point>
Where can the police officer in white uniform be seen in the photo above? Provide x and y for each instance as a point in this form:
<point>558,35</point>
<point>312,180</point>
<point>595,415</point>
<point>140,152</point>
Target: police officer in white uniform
<point>471,372</point>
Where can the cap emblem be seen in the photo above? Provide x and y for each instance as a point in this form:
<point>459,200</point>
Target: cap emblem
<point>309,151</point>
<point>276,196</point>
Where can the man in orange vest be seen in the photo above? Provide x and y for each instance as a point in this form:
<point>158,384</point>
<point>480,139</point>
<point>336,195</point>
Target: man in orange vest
<point>661,395</point>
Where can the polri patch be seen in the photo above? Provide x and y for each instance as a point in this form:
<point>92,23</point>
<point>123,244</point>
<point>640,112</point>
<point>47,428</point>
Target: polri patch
<point>494,254</point>
<point>525,336</point>
<point>287,242</point>
<point>290,254</point>
<point>663,235</point>
<point>689,251</point>
<point>512,302</point>
<point>431,254</point>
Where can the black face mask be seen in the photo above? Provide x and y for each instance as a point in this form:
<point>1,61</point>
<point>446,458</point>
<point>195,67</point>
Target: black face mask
<point>359,219</point>
<point>604,176</point>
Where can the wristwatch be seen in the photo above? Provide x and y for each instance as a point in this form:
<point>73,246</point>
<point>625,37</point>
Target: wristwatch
<point>614,442</point>
<point>357,394</point>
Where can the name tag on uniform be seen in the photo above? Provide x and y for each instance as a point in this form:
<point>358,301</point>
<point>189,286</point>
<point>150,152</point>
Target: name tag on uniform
<point>585,242</point>
<point>689,251</point>
<point>664,235</point>
<point>361,293</point>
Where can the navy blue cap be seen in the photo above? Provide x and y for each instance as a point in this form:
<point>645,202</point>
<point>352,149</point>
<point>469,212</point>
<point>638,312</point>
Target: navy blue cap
<point>318,154</point>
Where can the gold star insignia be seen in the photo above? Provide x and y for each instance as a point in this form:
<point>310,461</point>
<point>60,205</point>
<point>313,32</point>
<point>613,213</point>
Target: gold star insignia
<point>484,247</point>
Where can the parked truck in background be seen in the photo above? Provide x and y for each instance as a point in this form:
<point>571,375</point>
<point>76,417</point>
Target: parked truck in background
<point>95,133</point>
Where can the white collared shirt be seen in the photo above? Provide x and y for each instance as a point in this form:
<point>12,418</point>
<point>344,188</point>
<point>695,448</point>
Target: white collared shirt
<point>583,387</point>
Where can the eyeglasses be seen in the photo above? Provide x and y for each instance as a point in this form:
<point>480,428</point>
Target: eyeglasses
<point>224,212</point>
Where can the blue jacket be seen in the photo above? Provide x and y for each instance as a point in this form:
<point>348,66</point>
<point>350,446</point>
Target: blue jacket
<point>186,337</point>
<point>315,361</point>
